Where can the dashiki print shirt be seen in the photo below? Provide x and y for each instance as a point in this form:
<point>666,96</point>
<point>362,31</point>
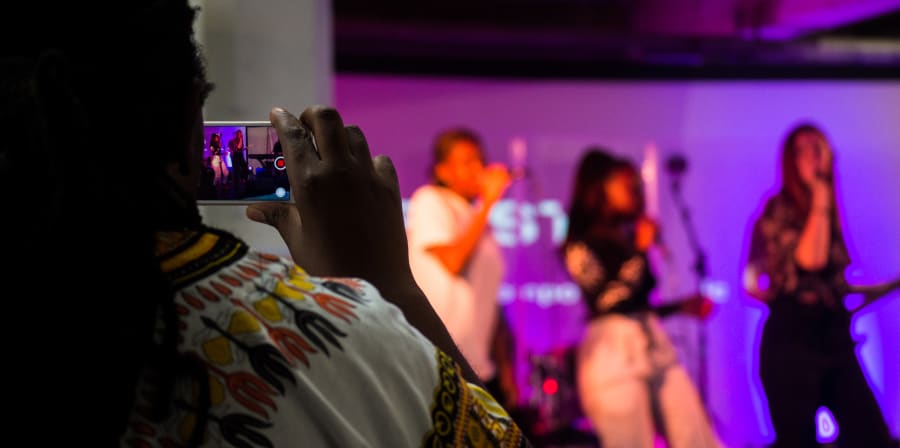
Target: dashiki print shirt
<point>284,359</point>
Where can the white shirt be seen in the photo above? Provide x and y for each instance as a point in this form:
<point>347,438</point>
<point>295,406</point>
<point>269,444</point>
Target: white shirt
<point>466,303</point>
<point>295,360</point>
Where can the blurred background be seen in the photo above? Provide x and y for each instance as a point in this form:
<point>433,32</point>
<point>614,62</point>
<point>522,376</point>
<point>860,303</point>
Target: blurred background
<point>717,83</point>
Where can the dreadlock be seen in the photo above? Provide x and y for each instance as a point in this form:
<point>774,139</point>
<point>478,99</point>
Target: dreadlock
<point>85,99</point>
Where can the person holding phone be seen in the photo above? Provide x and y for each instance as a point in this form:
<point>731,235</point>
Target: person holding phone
<point>134,324</point>
<point>796,266</point>
<point>627,369</point>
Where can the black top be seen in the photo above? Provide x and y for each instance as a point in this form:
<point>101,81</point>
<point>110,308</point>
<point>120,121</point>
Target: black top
<point>234,148</point>
<point>614,277</point>
<point>775,237</point>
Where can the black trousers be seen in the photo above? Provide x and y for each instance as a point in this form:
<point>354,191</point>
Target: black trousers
<point>808,360</point>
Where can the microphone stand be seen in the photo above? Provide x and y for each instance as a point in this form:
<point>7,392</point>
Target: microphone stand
<point>700,271</point>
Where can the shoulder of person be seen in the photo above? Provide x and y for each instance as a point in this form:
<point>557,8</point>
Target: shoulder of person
<point>775,205</point>
<point>594,249</point>
<point>575,250</point>
<point>428,192</point>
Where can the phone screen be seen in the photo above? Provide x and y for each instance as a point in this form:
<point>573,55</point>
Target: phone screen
<point>242,162</point>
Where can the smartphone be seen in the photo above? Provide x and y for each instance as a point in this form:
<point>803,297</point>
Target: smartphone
<point>242,162</point>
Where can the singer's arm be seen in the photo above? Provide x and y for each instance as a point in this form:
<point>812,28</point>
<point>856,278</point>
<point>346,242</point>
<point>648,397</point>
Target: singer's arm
<point>456,255</point>
<point>871,293</point>
<point>696,305</point>
<point>812,248</point>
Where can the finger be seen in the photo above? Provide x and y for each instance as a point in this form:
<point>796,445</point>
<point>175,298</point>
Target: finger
<point>497,167</point>
<point>505,180</point>
<point>359,147</point>
<point>498,175</point>
<point>299,151</point>
<point>285,218</point>
<point>327,127</point>
<point>294,137</point>
<point>384,167</point>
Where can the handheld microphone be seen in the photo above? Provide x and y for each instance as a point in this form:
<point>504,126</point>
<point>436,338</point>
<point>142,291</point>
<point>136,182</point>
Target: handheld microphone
<point>518,153</point>
<point>676,166</point>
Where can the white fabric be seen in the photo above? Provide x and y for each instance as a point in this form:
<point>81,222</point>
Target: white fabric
<point>624,365</point>
<point>219,170</point>
<point>466,303</point>
<point>376,389</point>
<point>292,360</point>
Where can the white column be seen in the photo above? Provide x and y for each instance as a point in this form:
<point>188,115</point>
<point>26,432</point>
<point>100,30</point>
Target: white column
<point>261,54</point>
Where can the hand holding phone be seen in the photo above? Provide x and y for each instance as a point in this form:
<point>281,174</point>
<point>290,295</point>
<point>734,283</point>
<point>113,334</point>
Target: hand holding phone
<point>347,220</point>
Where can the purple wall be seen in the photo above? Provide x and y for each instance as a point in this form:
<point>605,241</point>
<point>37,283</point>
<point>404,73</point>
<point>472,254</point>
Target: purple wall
<point>226,133</point>
<point>730,132</point>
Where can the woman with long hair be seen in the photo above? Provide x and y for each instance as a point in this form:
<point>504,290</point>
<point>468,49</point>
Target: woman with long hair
<point>237,148</point>
<point>796,266</point>
<point>627,369</point>
<point>217,153</point>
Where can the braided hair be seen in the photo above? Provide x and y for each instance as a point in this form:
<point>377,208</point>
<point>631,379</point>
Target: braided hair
<point>89,198</point>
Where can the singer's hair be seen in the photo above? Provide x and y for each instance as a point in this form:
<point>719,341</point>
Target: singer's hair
<point>793,188</point>
<point>215,140</point>
<point>443,145</point>
<point>586,209</point>
<point>234,138</point>
<point>85,78</point>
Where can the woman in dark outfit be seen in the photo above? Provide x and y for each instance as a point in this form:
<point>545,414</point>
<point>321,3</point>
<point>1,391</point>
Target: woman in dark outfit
<point>796,265</point>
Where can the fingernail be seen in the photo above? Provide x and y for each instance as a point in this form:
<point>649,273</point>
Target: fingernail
<point>256,215</point>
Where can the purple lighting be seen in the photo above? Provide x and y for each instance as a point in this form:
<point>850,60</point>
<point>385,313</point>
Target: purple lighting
<point>731,133</point>
<point>826,428</point>
<point>763,282</point>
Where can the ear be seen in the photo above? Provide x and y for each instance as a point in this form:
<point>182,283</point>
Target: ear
<point>441,173</point>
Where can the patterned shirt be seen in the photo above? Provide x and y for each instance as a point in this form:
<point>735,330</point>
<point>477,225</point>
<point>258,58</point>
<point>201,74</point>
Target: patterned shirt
<point>294,360</point>
<point>613,278</point>
<point>772,272</point>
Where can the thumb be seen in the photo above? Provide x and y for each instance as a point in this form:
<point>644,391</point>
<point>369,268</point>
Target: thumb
<point>285,218</point>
